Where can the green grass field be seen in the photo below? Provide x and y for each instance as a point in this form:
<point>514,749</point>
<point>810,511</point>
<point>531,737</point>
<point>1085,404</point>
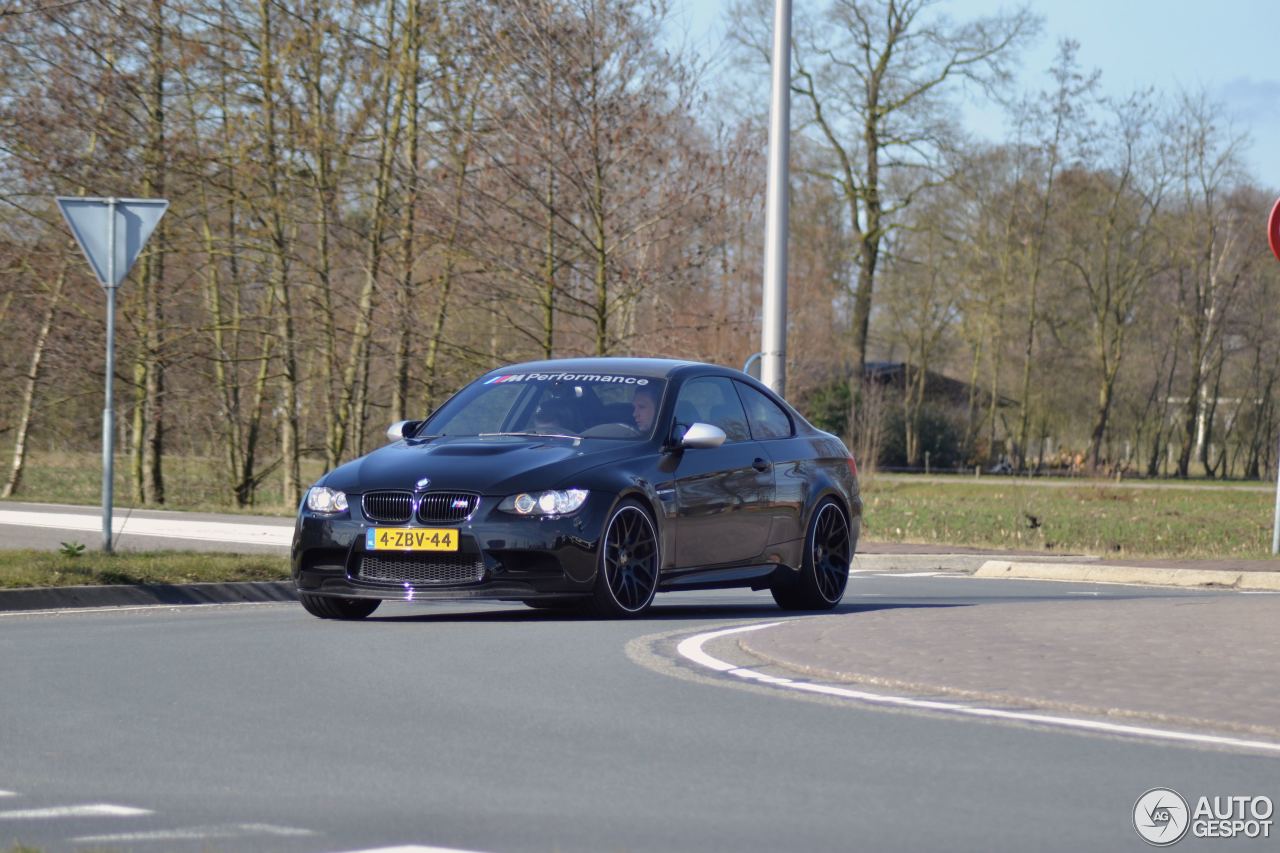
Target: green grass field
<point>191,483</point>
<point>1169,520</point>
<point>92,568</point>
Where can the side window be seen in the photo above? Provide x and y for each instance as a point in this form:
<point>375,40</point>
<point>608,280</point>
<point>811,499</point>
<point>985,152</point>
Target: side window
<point>711,400</point>
<point>766,417</point>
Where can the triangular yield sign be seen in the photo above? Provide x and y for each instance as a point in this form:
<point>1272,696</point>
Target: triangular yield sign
<point>135,219</point>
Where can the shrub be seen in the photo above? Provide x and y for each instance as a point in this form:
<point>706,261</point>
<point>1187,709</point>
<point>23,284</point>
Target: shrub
<point>940,436</point>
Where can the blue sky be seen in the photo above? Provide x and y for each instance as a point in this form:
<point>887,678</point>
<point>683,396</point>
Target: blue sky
<point>1230,49</point>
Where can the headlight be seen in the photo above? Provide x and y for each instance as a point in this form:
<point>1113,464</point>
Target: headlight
<point>545,503</point>
<point>322,499</point>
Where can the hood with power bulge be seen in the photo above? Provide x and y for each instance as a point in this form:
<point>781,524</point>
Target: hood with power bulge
<point>496,465</point>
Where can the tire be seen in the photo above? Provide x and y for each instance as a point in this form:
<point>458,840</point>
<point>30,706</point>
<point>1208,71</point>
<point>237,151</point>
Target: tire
<point>824,573</point>
<point>628,564</point>
<point>330,607</point>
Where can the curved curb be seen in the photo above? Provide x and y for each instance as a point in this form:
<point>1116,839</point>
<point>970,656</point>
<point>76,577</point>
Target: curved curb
<point>59,598</point>
<point>1081,572</point>
<point>691,649</point>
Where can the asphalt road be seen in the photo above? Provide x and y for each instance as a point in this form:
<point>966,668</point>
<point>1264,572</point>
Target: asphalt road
<point>493,728</point>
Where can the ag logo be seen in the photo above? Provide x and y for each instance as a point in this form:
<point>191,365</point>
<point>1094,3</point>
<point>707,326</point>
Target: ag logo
<point>1161,817</point>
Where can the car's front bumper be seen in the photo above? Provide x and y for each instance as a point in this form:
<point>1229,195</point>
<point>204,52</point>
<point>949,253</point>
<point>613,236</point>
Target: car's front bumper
<point>500,556</point>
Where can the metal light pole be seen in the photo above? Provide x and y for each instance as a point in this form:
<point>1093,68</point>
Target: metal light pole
<point>1275,523</point>
<point>773,364</point>
<point>1273,238</point>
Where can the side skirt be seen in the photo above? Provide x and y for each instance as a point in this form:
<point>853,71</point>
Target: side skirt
<point>757,577</point>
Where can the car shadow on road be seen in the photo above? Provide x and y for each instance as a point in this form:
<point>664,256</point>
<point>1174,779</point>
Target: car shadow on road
<point>675,612</point>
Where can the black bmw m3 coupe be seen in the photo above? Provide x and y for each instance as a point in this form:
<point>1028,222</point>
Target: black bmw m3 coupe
<point>591,483</point>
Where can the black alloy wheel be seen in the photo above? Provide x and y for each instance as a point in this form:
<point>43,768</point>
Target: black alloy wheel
<point>331,607</point>
<point>627,573</point>
<point>828,551</point>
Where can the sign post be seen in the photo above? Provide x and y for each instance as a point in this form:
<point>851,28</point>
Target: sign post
<point>111,233</point>
<point>1273,237</point>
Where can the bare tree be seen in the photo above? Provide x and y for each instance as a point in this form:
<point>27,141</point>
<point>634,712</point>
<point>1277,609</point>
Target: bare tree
<point>31,385</point>
<point>608,170</point>
<point>1209,277</point>
<point>1061,118</point>
<point>921,304</point>
<point>1113,242</point>
<point>151,361</point>
<point>872,76</point>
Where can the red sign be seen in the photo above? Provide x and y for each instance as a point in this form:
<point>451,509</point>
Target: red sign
<point>1273,229</point>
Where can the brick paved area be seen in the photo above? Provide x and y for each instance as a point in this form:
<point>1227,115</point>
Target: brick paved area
<point>1200,660</point>
<point>913,548</point>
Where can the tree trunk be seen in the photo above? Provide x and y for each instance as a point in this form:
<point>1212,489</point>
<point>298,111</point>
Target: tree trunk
<point>149,368</point>
<point>460,148</point>
<point>600,243</point>
<point>868,254</point>
<point>1101,416</point>
<point>31,384</point>
<point>1190,411</point>
<point>278,277</point>
<point>351,388</point>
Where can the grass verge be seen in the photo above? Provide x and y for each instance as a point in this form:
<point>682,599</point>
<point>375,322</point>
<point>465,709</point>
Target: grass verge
<point>191,483</point>
<point>1168,519</point>
<point>1108,520</point>
<point>46,568</point>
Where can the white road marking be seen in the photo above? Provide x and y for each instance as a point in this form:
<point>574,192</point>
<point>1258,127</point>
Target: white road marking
<point>203,531</point>
<point>413,848</point>
<point>691,649</point>
<point>908,574</point>
<point>7,794</point>
<point>196,833</point>
<point>93,810</point>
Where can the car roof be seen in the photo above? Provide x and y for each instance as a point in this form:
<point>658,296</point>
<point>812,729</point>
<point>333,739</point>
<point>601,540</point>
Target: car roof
<point>657,368</point>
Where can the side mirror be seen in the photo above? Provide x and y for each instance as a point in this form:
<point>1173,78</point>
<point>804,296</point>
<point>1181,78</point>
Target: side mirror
<point>399,429</point>
<point>702,436</point>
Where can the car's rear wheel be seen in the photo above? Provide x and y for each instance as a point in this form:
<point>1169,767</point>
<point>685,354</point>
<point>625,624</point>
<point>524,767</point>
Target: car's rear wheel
<point>627,569</point>
<point>330,607</point>
<point>825,570</point>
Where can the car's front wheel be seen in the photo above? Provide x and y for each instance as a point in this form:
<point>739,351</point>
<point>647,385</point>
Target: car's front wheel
<point>330,607</point>
<point>825,571</point>
<point>627,568</point>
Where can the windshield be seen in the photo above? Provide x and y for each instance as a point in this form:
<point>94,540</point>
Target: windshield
<point>578,405</point>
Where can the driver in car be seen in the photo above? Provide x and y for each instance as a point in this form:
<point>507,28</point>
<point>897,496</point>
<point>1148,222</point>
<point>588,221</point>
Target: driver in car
<point>644,408</point>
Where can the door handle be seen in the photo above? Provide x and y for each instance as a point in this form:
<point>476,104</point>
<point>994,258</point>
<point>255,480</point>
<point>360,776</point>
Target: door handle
<point>760,464</point>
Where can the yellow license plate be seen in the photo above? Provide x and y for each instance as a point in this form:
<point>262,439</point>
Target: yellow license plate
<point>410,539</point>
